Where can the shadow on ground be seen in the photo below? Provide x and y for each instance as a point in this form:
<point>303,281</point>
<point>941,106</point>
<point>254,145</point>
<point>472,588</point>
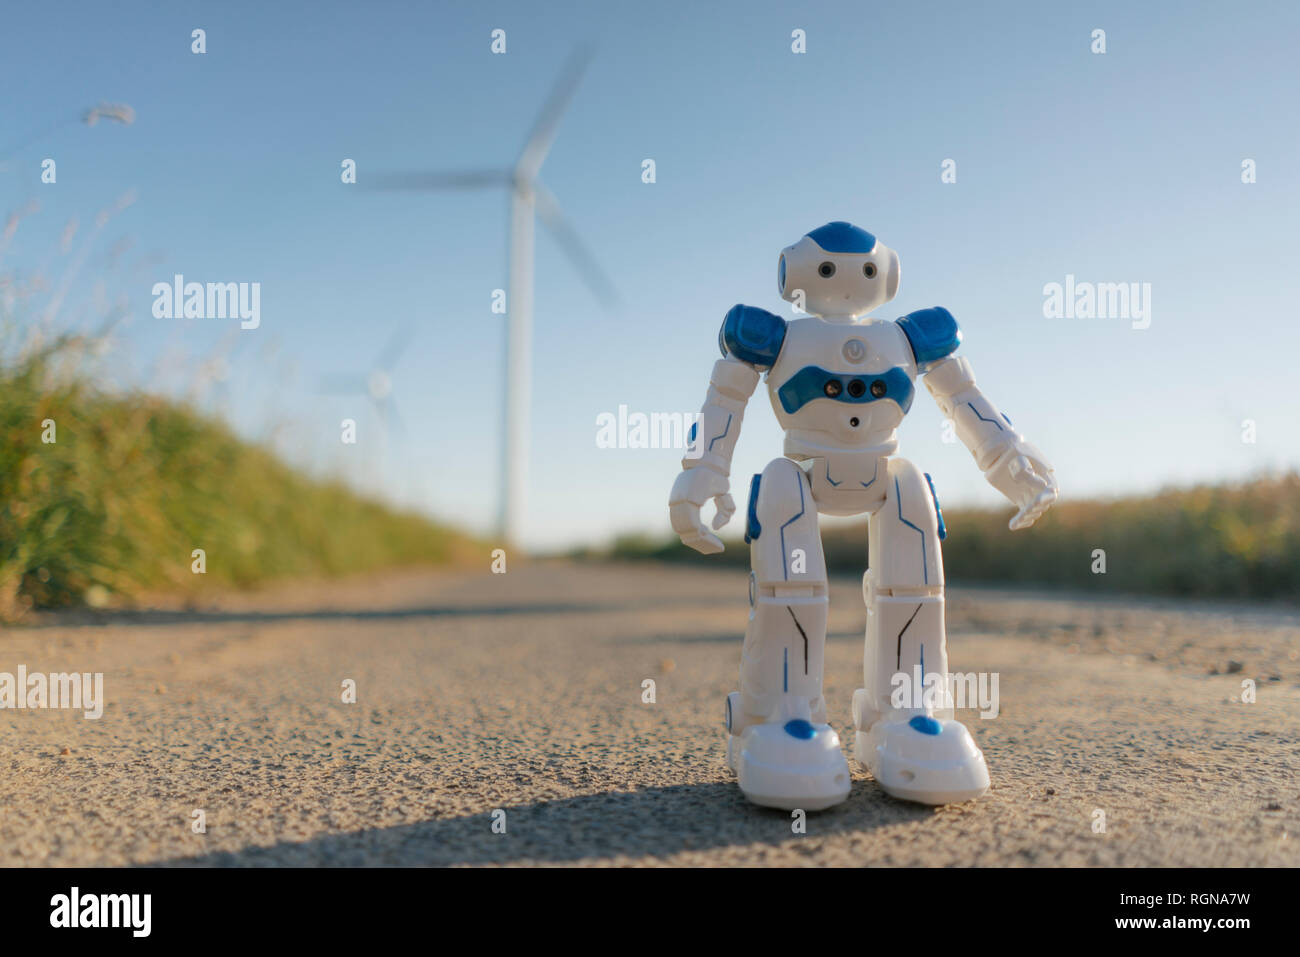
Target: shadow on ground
<point>156,617</point>
<point>649,823</point>
<point>731,636</point>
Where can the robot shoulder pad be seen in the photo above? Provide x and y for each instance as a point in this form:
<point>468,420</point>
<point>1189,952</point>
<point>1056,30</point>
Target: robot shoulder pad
<point>753,336</point>
<point>932,333</point>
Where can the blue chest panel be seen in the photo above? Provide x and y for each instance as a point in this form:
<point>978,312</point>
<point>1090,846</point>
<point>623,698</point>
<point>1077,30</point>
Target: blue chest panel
<point>752,335</point>
<point>814,382</point>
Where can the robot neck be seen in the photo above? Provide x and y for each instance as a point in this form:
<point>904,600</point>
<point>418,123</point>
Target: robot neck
<point>840,317</point>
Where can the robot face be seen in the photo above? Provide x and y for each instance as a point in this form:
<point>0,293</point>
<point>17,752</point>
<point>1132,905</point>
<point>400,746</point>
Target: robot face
<point>839,271</point>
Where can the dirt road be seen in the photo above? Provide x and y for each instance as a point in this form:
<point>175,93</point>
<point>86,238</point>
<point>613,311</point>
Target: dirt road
<point>523,692</point>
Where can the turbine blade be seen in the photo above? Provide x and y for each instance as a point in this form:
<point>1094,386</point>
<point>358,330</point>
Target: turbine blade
<point>394,348</point>
<point>540,139</point>
<point>452,179</point>
<point>592,274</point>
<point>394,418</point>
<point>343,384</point>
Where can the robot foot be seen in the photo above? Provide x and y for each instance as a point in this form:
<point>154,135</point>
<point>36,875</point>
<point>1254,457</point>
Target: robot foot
<point>916,757</point>
<point>790,763</point>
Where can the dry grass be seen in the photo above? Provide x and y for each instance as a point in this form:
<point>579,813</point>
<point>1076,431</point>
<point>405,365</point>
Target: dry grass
<point>1235,541</point>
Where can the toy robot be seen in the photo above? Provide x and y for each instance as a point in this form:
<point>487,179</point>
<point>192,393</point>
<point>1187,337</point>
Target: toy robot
<point>840,383</point>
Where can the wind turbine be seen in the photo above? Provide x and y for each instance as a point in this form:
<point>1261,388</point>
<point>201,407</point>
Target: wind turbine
<point>375,384</point>
<point>528,199</point>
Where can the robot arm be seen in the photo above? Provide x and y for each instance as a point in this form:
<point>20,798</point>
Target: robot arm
<point>706,468</point>
<point>1012,465</point>
<point>750,341</point>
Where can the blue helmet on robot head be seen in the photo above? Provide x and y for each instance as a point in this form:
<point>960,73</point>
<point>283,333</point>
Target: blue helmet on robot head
<point>842,237</point>
<point>838,271</point>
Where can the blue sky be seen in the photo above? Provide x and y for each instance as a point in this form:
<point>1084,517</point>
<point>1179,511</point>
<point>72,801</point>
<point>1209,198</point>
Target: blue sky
<point>1122,167</point>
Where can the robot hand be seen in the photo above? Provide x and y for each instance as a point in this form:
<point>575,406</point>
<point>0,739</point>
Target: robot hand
<point>692,489</point>
<point>1024,476</point>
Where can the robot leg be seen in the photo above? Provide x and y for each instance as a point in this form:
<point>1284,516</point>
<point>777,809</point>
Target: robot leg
<point>779,744</point>
<point>905,731</point>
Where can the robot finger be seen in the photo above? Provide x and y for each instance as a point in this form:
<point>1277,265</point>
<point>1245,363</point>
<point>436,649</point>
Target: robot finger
<point>1022,519</point>
<point>705,544</point>
<point>726,508</point>
<point>1039,460</point>
<point>1019,466</point>
<point>1033,511</point>
<point>1033,486</point>
<point>685,518</point>
<point>690,528</point>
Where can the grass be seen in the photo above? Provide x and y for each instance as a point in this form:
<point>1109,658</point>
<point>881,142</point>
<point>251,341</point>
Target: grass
<point>132,484</point>
<point>1225,541</point>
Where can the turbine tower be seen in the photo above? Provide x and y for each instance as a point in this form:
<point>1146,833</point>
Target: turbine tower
<point>529,199</point>
<point>376,385</point>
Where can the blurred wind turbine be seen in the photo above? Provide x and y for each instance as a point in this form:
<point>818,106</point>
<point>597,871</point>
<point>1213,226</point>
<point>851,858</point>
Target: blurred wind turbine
<point>376,385</point>
<point>528,198</point>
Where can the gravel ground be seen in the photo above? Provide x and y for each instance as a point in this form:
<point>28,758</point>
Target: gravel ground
<point>523,693</point>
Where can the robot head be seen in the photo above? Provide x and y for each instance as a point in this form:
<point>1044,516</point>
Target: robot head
<point>840,271</point>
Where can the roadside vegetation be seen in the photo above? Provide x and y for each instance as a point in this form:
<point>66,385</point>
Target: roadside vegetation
<point>105,496</point>
<point>1227,541</point>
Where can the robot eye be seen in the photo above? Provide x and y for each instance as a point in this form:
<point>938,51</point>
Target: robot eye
<point>826,270</point>
<point>869,270</point>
